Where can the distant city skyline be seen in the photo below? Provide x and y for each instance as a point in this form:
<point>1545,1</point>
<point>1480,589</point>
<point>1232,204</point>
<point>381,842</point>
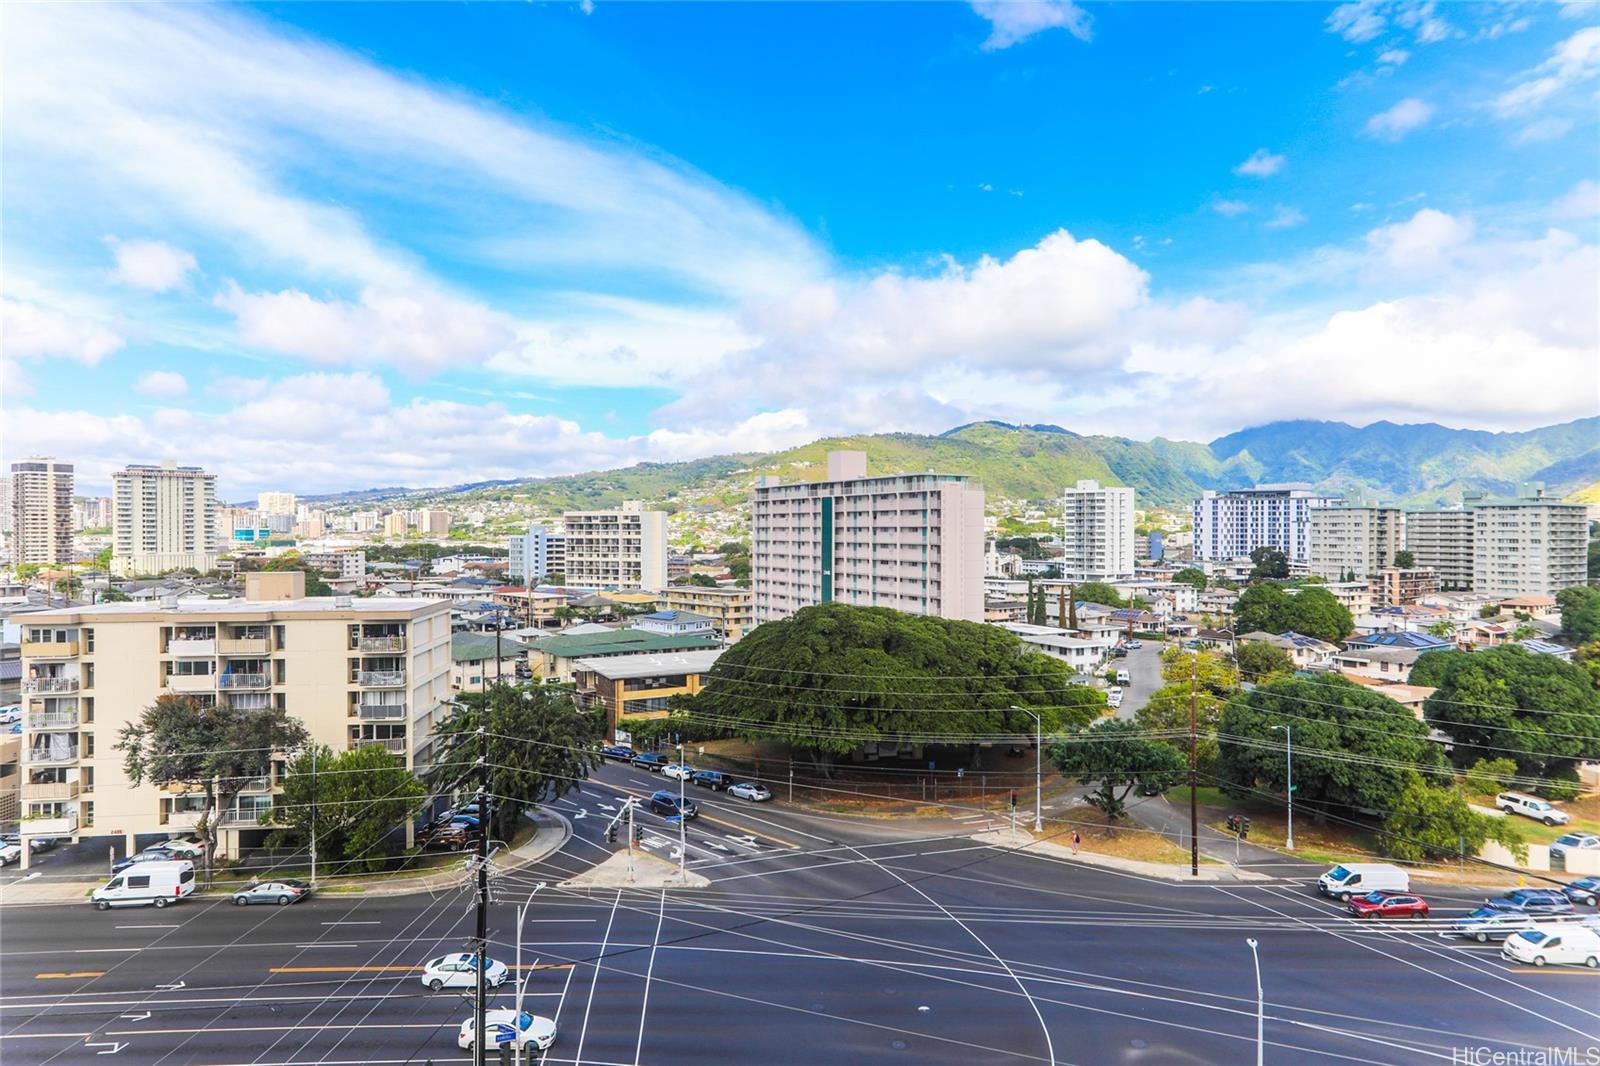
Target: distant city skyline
<point>314,248</point>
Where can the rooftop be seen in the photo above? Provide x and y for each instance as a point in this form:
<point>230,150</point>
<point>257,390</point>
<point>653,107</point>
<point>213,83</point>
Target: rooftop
<point>475,647</point>
<point>1418,641</point>
<point>333,605</point>
<point>619,642</point>
<point>620,667</point>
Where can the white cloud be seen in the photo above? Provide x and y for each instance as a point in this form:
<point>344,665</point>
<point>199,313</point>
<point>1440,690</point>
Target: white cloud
<point>1230,208</point>
<point>1261,164</point>
<point>1393,57</point>
<point>1357,22</point>
<point>1579,9</point>
<point>1012,21</point>
<point>162,383</point>
<point>1583,202</point>
<point>1285,217</point>
<point>31,331</point>
<point>1544,130</point>
<point>1572,62</point>
<point>1423,244</point>
<point>1407,115</point>
<point>1424,20</point>
<point>153,265</point>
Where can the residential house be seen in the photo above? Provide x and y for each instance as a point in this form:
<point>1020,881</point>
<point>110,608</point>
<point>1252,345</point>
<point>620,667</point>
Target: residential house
<point>552,657</point>
<point>637,687</point>
<point>480,660</point>
<point>1304,652</point>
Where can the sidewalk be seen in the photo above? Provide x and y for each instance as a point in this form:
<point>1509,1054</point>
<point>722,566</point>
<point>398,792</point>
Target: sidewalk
<point>1024,842</point>
<point>550,834</point>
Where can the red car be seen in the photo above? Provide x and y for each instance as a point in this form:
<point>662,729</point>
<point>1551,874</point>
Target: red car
<point>1388,905</point>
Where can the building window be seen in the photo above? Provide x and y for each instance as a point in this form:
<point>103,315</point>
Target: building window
<point>86,813</point>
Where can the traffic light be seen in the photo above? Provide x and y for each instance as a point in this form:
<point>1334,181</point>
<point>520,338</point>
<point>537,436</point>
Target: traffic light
<point>1013,799</point>
<point>1233,823</point>
<point>1244,827</point>
<point>638,833</point>
<point>611,833</point>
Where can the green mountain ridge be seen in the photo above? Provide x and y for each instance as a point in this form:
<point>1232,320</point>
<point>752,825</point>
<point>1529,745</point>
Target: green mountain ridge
<point>1412,465</point>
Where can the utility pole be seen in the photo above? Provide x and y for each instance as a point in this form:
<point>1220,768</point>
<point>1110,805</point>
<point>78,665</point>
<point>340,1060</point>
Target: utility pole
<point>683,819</point>
<point>1288,750</point>
<point>1194,784</point>
<point>480,1039</point>
<point>313,816</point>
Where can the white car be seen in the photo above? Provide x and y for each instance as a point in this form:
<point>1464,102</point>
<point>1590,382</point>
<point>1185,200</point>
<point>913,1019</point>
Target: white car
<point>184,847</point>
<point>677,770</point>
<point>10,714</point>
<point>9,853</point>
<point>1114,698</point>
<point>503,1026</point>
<point>749,790</point>
<point>1531,807</point>
<point>459,971</point>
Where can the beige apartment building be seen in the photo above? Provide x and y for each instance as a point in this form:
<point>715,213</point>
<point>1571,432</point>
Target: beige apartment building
<point>1353,539</point>
<point>913,542</point>
<point>731,609</point>
<point>1442,541</point>
<point>41,511</point>
<point>1534,545</point>
<point>163,518</point>
<point>396,524</point>
<point>621,549</point>
<point>356,672</point>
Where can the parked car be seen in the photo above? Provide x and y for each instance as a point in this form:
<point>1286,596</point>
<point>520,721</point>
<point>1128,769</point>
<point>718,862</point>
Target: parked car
<point>617,751</point>
<point>1491,923</point>
<point>1135,645</point>
<point>454,837</point>
<point>750,790</point>
<point>1351,879</point>
<point>1533,901</point>
<point>281,892</point>
<point>715,780</point>
<point>1388,905</point>
<point>678,771</point>
<point>10,714</point>
<point>155,855</point>
<point>650,760</point>
<point>1124,678</point>
<point>182,847</point>
<point>1573,842</point>
<point>10,853</point>
<point>461,971</point>
<point>35,844</point>
<point>666,805</point>
<point>1114,698</point>
<point>1583,890</point>
<point>1531,807</point>
<point>535,1031</point>
<point>154,882</point>
<point>1543,944</point>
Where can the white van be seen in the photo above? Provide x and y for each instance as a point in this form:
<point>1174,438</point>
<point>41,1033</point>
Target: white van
<point>1124,678</point>
<point>1359,878</point>
<point>160,883</point>
<point>1572,944</point>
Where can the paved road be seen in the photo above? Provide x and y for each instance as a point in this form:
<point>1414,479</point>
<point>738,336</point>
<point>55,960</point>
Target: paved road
<point>819,941</point>
<point>1144,668</point>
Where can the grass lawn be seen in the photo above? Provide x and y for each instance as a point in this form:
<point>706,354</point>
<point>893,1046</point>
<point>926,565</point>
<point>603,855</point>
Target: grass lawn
<point>1123,839</point>
<point>1585,813</point>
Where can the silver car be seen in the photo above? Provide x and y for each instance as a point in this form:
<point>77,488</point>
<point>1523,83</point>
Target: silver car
<point>1491,923</point>
<point>750,790</point>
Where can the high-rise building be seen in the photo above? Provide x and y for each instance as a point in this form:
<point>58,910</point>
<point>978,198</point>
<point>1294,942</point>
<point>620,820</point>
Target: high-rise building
<point>529,560</point>
<point>91,512</point>
<point>433,522</point>
<point>1442,541</point>
<point>163,518</point>
<point>395,524</point>
<point>1234,524</point>
<point>1534,545</point>
<point>625,548</point>
<point>914,542</point>
<point>555,555</point>
<point>41,510</point>
<point>1096,532</point>
<point>276,503</point>
<point>356,672</point>
<point>1354,539</point>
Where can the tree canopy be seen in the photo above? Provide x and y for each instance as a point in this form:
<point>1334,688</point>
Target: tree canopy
<point>1269,563</point>
<point>833,677</point>
<point>1259,662</point>
<point>1580,613</point>
<point>1404,559</point>
<point>359,798</point>
<point>1192,575</point>
<point>541,746</point>
<point>1097,592</point>
<point>1432,822</point>
<point>1112,758</point>
<point>1213,680</point>
<point>1313,612</point>
<point>1543,712</point>
<point>293,560</point>
<point>1353,747</point>
<point>216,750</point>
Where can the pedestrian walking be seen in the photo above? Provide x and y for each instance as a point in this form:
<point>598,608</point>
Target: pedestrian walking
<point>1076,840</point>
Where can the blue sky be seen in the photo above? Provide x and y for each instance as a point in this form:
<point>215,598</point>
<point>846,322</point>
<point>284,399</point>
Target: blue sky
<point>323,246</point>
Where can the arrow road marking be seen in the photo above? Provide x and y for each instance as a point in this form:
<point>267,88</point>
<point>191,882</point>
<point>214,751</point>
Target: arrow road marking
<point>115,1047</point>
<point>605,806</point>
<point>134,1017</point>
<point>172,987</point>
<point>580,814</point>
<point>714,844</point>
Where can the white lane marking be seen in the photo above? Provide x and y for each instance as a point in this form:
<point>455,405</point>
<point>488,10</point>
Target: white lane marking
<point>172,986</point>
<point>599,957</point>
<point>347,921</point>
<point>328,944</point>
<point>114,1045</point>
<point>172,926</point>
<point>644,1007</point>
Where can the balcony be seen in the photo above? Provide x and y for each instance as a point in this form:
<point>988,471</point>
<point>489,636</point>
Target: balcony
<point>52,719</point>
<point>181,819</point>
<point>192,649</point>
<point>49,649</point>
<point>379,645</point>
<point>396,745</point>
<point>257,784</point>
<point>243,682</point>
<point>58,825</point>
<point>38,686</point>
<point>245,646</point>
<point>382,711</point>
<point>50,792</point>
<point>381,678</point>
<point>241,816</point>
<point>51,756</point>
<point>191,684</point>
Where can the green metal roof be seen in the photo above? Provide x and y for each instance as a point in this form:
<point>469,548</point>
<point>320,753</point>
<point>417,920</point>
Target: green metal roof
<point>472,647</point>
<point>619,642</point>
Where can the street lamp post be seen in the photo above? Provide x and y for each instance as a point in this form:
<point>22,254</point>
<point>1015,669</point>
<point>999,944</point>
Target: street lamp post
<point>1038,768</point>
<point>1288,748</point>
<point>1260,1004</point>
<point>516,1025</point>
<point>683,821</point>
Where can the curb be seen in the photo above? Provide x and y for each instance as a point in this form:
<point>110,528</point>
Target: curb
<point>1025,844</point>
